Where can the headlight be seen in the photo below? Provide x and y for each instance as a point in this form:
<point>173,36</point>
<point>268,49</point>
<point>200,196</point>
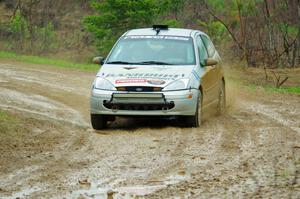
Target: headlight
<point>103,84</point>
<point>177,85</point>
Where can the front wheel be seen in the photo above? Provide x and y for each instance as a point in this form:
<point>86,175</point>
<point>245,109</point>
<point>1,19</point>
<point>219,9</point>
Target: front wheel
<point>98,121</point>
<point>195,120</point>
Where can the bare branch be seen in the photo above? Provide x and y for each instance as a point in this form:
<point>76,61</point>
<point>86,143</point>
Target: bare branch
<point>286,49</point>
<point>283,81</point>
<point>224,24</point>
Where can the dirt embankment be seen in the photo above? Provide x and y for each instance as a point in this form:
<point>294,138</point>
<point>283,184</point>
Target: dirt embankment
<point>252,151</point>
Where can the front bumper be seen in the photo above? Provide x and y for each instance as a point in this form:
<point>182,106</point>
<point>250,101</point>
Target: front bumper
<point>170,103</point>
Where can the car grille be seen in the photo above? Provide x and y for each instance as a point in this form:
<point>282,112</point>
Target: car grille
<point>140,107</point>
<point>138,101</point>
<point>139,89</point>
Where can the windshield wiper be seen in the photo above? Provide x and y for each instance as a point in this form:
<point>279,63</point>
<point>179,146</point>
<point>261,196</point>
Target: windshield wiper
<point>120,62</point>
<point>154,63</point>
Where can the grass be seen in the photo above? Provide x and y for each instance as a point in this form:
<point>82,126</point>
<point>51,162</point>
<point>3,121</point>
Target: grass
<point>252,87</point>
<point>47,61</point>
<point>272,89</point>
<point>294,90</point>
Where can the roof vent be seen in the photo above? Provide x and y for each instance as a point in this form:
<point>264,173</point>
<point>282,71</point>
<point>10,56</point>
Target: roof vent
<point>158,28</point>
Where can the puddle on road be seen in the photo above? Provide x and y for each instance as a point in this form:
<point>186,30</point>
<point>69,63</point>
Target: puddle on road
<point>22,194</point>
<point>93,190</point>
<point>118,193</point>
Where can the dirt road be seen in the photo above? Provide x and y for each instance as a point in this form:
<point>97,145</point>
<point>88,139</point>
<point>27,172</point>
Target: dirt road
<point>253,151</point>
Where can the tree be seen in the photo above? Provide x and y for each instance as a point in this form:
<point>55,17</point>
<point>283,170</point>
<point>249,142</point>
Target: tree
<point>174,7</point>
<point>265,31</point>
<point>115,16</point>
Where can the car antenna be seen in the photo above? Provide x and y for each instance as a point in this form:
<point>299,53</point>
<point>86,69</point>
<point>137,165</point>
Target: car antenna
<point>158,28</point>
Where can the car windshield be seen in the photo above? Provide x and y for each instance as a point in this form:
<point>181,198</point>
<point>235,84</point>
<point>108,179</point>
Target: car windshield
<point>152,50</point>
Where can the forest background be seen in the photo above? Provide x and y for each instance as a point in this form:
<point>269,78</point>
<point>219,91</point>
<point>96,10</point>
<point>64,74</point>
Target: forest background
<point>257,33</point>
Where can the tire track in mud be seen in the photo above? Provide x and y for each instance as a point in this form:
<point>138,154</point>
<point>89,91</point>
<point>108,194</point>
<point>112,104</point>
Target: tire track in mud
<point>39,105</point>
<point>274,115</point>
<point>252,151</point>
<point>248,163</point>
<point>32,93</point>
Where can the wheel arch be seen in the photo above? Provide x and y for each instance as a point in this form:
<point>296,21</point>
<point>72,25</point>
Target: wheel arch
<point>201,90</point>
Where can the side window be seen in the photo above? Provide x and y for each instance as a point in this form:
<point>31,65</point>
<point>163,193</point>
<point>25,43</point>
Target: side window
<point>201,50</point>
<point>209,46</point>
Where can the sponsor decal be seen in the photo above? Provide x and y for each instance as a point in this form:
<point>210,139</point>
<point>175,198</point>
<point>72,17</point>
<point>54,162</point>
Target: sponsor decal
<point>158,37</point>
<point>156,81</point>
<point>162,76</point>
<point>130,81</point>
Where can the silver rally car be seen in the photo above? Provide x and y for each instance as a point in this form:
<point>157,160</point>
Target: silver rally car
<point>158,71</point>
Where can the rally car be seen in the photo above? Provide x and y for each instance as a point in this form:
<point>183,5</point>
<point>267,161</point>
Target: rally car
<point>158,71</point>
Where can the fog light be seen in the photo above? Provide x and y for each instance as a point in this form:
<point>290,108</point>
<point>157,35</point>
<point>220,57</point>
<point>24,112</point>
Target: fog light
<point>121,89</point>
<point>156,89</point>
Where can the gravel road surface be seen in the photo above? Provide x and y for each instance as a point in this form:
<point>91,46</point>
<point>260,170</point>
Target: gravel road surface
<point>252,151</point>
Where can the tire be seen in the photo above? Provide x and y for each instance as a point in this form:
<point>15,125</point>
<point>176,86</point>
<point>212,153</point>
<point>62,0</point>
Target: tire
<point>221,108</point>
<point>98,121</point>
<point>195,120</point>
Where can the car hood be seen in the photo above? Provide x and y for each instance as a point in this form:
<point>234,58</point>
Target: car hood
<point>144,75</point>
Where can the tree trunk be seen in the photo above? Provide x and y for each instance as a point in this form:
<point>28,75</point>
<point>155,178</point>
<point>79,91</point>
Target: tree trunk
<point>242,32</point>
<point>298,40</point>
<point>272,46</point>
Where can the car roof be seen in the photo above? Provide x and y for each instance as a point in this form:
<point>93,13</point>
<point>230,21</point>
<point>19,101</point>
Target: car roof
<point>165,32</point>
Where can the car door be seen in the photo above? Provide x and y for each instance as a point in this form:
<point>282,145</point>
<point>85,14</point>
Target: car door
<point>207,77</point>
<point>214,87</point>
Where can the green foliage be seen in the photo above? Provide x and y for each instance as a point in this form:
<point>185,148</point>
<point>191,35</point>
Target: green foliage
<point>26,37</point>
<point>286,89</point>
<point>290,30</point>
<point>294,90</point>
<point>173,6</point>
<point>19,27</point>
<point>46,37</point>
<point>250,7</point>
<point>116,16</point>
<point>217,5</point>
<point>216,30</point>
<point>172,23</point>
<point>48,61</point>
<point>230,8</point>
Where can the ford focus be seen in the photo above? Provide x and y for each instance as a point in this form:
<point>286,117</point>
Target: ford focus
<point>159,71</point>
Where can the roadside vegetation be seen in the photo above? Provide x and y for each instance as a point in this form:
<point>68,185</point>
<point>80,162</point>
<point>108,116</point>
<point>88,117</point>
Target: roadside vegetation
<point>260,34</point>
<point>292,89</point>
<point>255,79</point>
<point>48,61</point>
<point>272,89</point>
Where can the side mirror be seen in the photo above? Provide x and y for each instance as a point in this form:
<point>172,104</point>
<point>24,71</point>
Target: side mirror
<point>98,60</point>
<point>210,62</point>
